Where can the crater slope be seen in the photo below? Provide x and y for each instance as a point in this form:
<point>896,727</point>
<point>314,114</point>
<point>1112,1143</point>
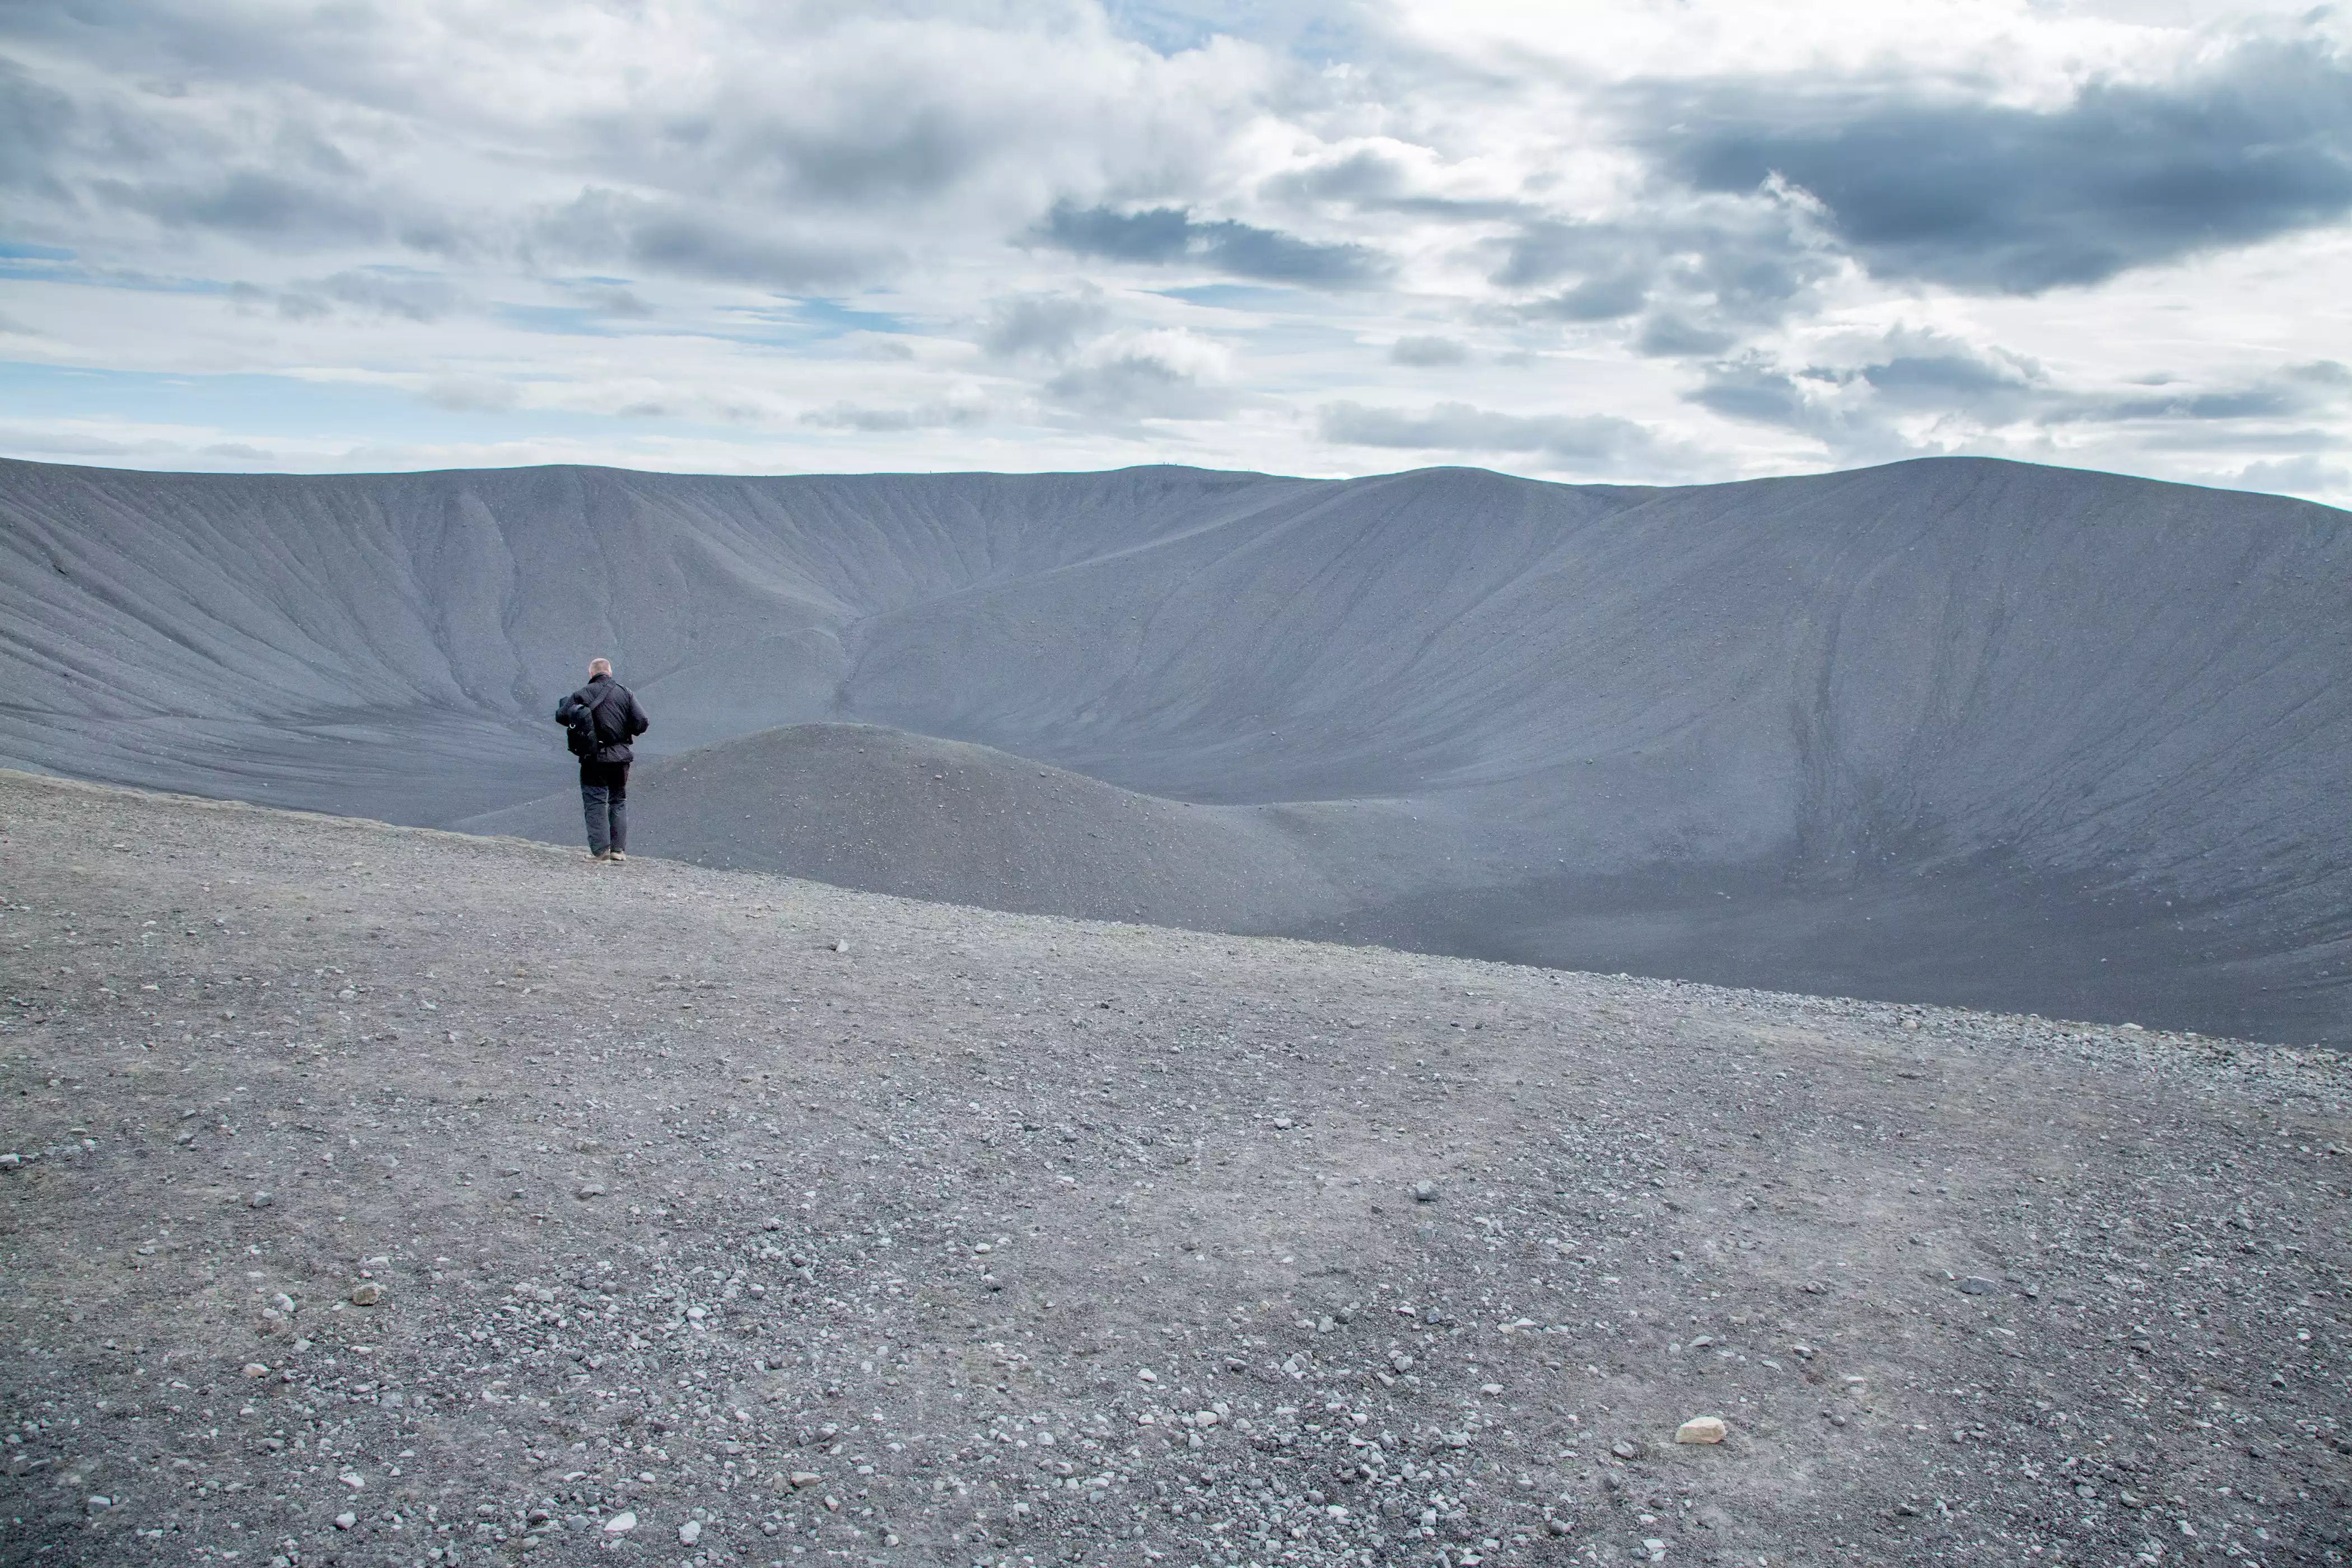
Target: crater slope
<point>862,806</point>
<point>1951,729</point>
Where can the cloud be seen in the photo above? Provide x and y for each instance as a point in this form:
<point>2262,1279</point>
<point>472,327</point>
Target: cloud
<point>1373,181</point>
<point>1162,374</point>
<point>1910,391</point>
<point>1580,440</point>
<point>603,226</point>
<point>1163,237</point>
<point>620,303</point>
<point>1048,325</point>
<point>2294,475</point>
<point>894,421</point>
<point>472,394</point>
<point>1602,298</point>
<point>1924,185</point>
<point>1427,352</point>
<point>1670,333</point>
<point>35,123</point>
<point>1710,270</point>
<point>410,296</point>
<point>257,205</point>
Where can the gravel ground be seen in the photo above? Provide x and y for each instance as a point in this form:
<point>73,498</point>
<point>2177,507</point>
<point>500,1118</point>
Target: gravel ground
<point>379,1195</point>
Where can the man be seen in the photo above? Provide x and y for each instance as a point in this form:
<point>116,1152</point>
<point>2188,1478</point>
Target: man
<point>602,717</point>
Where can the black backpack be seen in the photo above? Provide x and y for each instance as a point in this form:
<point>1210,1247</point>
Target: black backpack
<point>580,735</point>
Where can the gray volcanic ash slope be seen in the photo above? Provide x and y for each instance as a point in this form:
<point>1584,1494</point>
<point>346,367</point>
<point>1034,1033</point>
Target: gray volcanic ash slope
<point>1952,730</point>
<point>862,806</point>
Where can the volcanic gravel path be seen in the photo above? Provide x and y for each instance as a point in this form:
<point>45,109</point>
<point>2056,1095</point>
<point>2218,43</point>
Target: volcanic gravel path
<point>379,1195</point>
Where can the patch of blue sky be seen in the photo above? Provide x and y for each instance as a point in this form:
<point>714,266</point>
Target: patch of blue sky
<point>1319,30</point>
<point>260,409</point>
<point>812,319</point>
<point>12,252</point>
<point>1240,296</point>
<point>48,269</point>
<point>574,321</point>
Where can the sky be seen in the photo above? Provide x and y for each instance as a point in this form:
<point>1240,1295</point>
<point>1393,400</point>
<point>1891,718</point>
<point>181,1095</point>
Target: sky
<point>1672,241</point>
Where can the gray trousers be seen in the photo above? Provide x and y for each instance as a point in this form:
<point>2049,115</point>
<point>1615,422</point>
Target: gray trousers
<point>604,801</point>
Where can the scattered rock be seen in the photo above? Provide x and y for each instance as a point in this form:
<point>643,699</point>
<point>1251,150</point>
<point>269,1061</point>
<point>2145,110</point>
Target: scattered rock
<point>259,1201</point>
<point>1978,1285</point>
<point>621,1523</point>
<point>1702,1429</point>
<point>1424,1192</point>
<point>366,1293</point>
<point>256,1369</point>
<point>689,1533</point>
<point>346,1519</point>
<point>1625,1450</point>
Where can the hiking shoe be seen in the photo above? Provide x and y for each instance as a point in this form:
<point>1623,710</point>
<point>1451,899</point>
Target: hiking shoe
<point>594,855</point>
<point>618,855</point>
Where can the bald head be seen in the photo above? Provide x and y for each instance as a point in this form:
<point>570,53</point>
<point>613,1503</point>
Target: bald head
<point>600,666</point>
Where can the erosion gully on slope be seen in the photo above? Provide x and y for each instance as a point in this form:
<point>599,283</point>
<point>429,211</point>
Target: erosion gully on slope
<point>381,1195</point>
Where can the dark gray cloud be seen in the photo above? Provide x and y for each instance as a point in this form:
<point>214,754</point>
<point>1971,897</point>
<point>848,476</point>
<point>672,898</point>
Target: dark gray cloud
<point>1854,409</point>
<point>892,421</point>
<point>2299,391</point>
<point>2305,475</point>
<point>1672,334</point>
<point>1169,235</point>
<point>1598,299</point>
<point>1870,411</point>
<point>1576,439</point>
<point>1710,271</point>
<point>606,227</point>
<point>1049,325</point>
<point>617,303</point>
<point>35,122</point>
<point>413,297</point>
<point>259,204</point>
<point>1137,383</point>
<point>1753,389</point>
<point>473,394</point>
<point>1371,183</point>
<point>1983,196</point>
<point>1425,351</point>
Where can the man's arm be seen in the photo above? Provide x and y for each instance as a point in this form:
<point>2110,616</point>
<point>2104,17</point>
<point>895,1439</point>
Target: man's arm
<point>638,723</point>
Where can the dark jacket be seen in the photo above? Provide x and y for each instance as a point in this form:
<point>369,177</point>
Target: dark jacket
<point>619,720</point>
